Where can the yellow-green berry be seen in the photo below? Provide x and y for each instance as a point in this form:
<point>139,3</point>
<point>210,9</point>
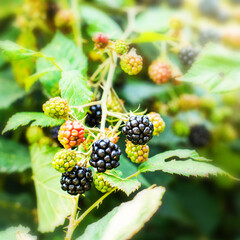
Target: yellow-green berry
<point>56,108</point>
<point>100,184</point>
<point>64,160</point>
<point>180,128</point>
<point>131,63</point>
<point>121,47</point>
<point>158,123</point>
<point>137,153</point>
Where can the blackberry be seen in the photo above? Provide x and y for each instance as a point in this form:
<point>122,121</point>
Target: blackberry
<point>139,129</point>
<point>208,35</point>
<point>100,184</point>
<point>158,123</point>
<point>121,47</point>
<point>94,116</point>
<point>105,155</point>
<point>188,55</point>
<point>77,181</point>
<point>175,3</point>
<point>180,128</point>
<point>209,8</point>
<point>199,136</point>
<point>101,40</point>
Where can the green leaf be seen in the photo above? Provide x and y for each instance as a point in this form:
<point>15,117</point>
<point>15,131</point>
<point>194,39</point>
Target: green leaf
<point>17,233</point>
<point>151,37</point>
<point>10,91</point>
<point>53,204</point>
<point>98,21</point>
<point>127,219</point>
<point>183,162</point>
<point>67,56</point>
<point>126,185</point>
<point>37,119</point>
<point>75,89</point>
<point>15,52</point>
<point>14,156</point>
<point>216,69</point>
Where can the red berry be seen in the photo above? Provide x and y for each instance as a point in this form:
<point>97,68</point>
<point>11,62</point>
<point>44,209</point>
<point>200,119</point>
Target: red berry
<point>101,40</point>
<point>71,134</point>
<point>159,72</point>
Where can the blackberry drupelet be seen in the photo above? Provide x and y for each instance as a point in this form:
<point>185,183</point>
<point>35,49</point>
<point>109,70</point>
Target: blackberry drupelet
<point>139,129</point>
<point>188,55</point>
<point>77,181</point>
<point>105,155</point>
<point>199,136</point>
<point>94,116</point>
<point>208,35</point>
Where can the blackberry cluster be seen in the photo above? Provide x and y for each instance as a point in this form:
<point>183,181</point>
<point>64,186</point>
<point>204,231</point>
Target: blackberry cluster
<point>100,184</point>
<point>175,3</point>
<point>139,129</point>
<point>94,116</point>
<point>208,35</point>
<point>188,55</point>
<point>105,155</point>
<point>77,181</point>
<point>199,136</point>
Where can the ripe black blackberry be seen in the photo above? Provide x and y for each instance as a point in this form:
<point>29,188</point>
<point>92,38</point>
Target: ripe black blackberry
<point>175,3</point>
<point>188,55</point>
<point>138,130</point>
<point>199,136</point>
<point>208,35</point>
<point>105,155</point>
<point>77,181</point>
<point>54,133</point>
<point>94,116</point>
<point>209,8</point>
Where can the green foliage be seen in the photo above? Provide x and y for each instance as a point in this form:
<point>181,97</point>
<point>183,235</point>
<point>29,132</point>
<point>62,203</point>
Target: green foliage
<point>75,89</point>
<point>182,162</point>
<point>151,37</point>
<point>127,219</point>
<point>98,21</point>
<point>126,185</point>
<point>14,156</point>
<point>66,55</point>
<point>217,69</point>
<point>15,52</point>
<point>53,204</point>
<point>17,233</point>
<point>24,118</point>
<point>10,91</point>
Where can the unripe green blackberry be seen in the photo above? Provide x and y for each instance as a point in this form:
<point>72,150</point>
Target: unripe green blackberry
<point>121,47</point>
<point>180,128</point>
<point>137,153</point>
<point>64,160</point>
<point>159,72</point>
<point>158,123</point>
<point>131,63</point>
<point>71,134</point>
<point>56,108</point>
<point>100,184</point>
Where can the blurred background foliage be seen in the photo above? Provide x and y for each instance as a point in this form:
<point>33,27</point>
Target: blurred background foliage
<point>192,208</point>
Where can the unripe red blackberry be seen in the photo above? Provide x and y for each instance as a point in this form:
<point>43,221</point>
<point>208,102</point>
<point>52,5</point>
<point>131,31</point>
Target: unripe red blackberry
<point>56,108</point>
<point>77,181</point>
<point>159,72</point>
<point>158,123</point>
<point>188,55</point>
<point>71,134</point>
<point>137,153</point>
<point>101,40</point>
<point>94,116</point>
<point>199,136</point>
<point>180,128</point>
<point>188,102</point>
<point>131,63</point>
<point>100,184</point>
<point>105,155</point>
<point>64,160</point>
<point>121,47</point>
<point>139,129</point>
